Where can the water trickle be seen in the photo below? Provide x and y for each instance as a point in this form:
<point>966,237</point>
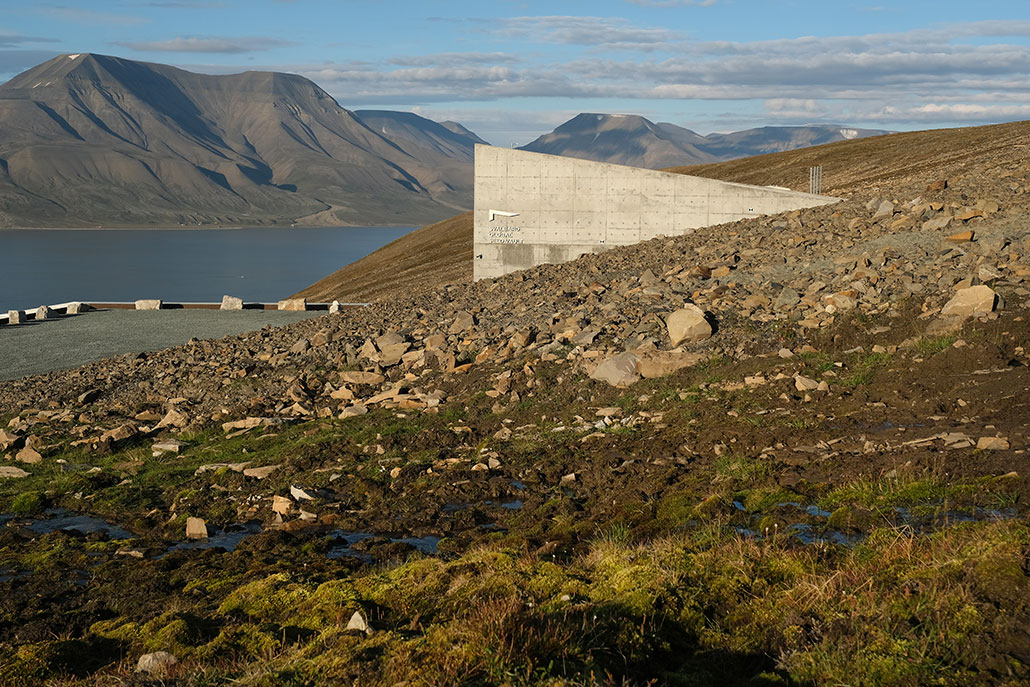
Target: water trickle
<point>58,519</point>
<point>342,544</point>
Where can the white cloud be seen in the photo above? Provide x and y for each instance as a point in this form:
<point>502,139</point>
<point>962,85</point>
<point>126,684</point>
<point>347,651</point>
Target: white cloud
<point>227,45</point>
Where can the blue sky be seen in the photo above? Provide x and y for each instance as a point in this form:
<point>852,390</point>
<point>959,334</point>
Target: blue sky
<point>511,70</point>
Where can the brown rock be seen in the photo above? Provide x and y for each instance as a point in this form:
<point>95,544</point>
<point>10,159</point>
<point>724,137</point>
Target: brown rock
<point>971,302</point>
<point>961,237</point>
<point>993,444</point>
<point>662,363</point>
<point>8,440</point>
<point>261,472</point>
<point>174,418</point>
<point>293,304</point>
<point>29,455</point>
<point>358,377</point>
<point>196,528</point>
<point>688,324</point>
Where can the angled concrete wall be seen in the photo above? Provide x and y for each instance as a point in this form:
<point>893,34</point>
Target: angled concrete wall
<point>532,208</point>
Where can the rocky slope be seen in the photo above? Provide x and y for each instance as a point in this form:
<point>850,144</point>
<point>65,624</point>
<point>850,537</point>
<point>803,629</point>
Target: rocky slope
<point>746,454</point>
<point>636,141</point>
<point>857,168</point>
<point>97,140</point>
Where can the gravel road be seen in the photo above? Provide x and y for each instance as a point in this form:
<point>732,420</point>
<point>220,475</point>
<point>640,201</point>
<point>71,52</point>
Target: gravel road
<point>66,342</point>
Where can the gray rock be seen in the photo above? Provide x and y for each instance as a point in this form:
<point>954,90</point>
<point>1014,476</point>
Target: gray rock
<point>43,313</point>
<point>300,494</point>
<point>231,303</point>
<point>357,623</point>
<point>786,299</point>
<point>9,471</point>
<point>161,447</point>
<point>886,209</point>
<point>301,346</point>
<point>156,663</point>
<point>619,370</point>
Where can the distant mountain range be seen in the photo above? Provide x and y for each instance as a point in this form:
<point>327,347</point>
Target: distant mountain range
<point>638,142</point>
<point>95,140</point>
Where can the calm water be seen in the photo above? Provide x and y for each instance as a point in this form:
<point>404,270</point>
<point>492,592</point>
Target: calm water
<point>40,266</point>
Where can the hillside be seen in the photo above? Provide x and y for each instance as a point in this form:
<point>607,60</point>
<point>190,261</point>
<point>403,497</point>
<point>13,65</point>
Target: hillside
<point>851,169</point>
<point>96,140</point>
<point>788,450</point>
<point>425,259</point>
<point>635,141</point>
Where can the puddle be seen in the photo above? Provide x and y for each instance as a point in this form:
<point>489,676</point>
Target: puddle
<point>342,544</point>
<point>227,539</point>
<point>807,535</point>
<point>514,504</point>
<point>518,485</point>
<point>817,534</point>
<point>60,520</point>
<point>814,511</point>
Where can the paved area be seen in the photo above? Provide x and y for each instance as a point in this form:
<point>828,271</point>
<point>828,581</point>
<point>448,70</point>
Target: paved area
<point>65,342</point>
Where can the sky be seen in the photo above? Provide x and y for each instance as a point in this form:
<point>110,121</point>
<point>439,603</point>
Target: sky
<point>511,70</point>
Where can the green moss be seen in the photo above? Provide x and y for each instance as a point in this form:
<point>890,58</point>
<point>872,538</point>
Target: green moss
<point>244,641</point>
<point>28,503</point>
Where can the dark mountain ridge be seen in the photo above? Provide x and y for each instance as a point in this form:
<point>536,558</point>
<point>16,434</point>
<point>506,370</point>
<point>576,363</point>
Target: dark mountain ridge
<point>638,142</point>
<point>92,139</point>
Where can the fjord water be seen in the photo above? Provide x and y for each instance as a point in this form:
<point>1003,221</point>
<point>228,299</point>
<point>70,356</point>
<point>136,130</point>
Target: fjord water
<point>49,266</point>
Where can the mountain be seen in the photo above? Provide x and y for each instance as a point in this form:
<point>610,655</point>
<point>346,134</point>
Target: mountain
<point>461,130</point>
<point>98,140</point>
<point>638,142</point>
<point>409,129</point>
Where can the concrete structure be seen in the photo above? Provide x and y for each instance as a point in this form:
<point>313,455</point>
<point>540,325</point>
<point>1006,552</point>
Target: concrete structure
<point>532,209</point>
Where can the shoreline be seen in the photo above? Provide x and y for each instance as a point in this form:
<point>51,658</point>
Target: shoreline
<point>217,228</point>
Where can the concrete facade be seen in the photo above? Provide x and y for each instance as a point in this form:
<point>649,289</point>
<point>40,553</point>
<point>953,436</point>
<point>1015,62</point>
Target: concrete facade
<point>532,208</point>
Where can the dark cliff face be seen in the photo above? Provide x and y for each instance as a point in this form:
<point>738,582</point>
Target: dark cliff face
<point>91,139</point>
<point>638,142</point>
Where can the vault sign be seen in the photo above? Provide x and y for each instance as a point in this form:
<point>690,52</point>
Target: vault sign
<point>504,233</point>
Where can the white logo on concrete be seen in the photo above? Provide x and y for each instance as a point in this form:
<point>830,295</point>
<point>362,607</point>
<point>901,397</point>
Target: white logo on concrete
<point>501,213</point>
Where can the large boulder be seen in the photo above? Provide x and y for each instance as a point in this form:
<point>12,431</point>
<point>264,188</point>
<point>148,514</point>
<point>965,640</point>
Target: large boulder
<point>971,302</point>
<point>662,363</point>
<point>619,370</point>
<point>293,304</point>
<point>231,303</point>
<point>688,324</point>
